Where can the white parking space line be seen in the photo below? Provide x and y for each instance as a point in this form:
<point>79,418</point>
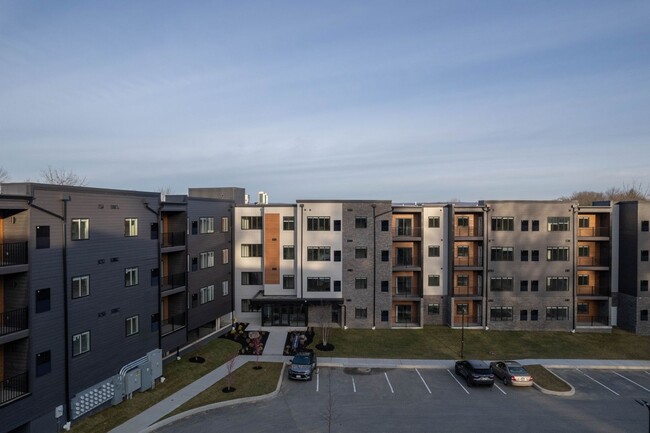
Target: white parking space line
<point>421,378</point>
<point>499,388</point>
<point>391,386</point>
<point>647,372</point>
<point>354,385</point>
<point>317,379</point>
<point>630,380</point>
<point>604,386</point>
<point>457,381</point>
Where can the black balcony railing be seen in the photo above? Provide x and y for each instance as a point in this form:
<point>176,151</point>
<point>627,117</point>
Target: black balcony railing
<point>467,261</point>
<point>407,292</point>
<point>13,254</point>
<point>469,320</point>
<point>467,232</point>
<point>593,291</point>
<point>13,387</point>
<point>173,323</point>
<point>13,321</point>
<point>587,320</point>
<point>593,231</point>
<point>173,281</point>
<point>593,261</point>
<point>173,239</point>
<point>467,291</point>
<point>407,232</point>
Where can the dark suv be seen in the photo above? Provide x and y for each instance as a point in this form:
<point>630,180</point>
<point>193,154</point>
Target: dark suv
<point>475,372</point>
<point>302,366</point>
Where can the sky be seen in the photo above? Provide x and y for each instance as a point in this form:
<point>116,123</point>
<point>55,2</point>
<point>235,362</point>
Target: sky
<point>410,101</point>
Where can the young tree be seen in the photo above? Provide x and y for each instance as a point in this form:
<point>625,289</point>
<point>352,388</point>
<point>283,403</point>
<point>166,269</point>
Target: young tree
<point>61,176</point>
<point>4,175</point>
<point>256,341</point>
<point>324,320</point>
<point>230,367</point>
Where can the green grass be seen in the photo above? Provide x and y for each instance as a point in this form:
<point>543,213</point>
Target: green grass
<point>247,381</point>
<point>177,375</point>
<point>440,342</point>
<point>546,379</point>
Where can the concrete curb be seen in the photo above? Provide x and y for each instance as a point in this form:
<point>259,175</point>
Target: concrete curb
<point>213,406</point>
<point>569,393</point>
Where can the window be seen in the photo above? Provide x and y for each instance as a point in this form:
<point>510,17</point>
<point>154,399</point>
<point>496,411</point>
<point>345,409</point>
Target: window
<point>251,278</point>
<point>288,223</point>
<point>318,284</point>
<point>433,309</point>
<point>534,286</point>
<point>79,229</point>
<point>502,254</point>
<point>130,277</point>
<point>404,227</point>
<point>384,285</point>
<point>206,294</point>
<point>43,363</point>
<point>462,251</point>
<point>42,237</point>
<point>248,307</point>
<point>523,315</point>
<point>130,227</point>
<point>434,280</point>
<point>558,224</point>
<point>206,225</point>
<point>404,285</point>
<point>524,225</point>
<point>132,325</point>
<point>288,252</point>
<point>644,315</point>
<point>462,221</point>
<point>583,308</point>
<point>643,288</point>
<point>288,282</point>
<point>225,224</point>
<point>462,308</point>
<point>503,224</point>
<point>251,223</point>
<point>557,313</point>
<point>225,288</point>
<point>360,253</point>
<point>195,227</point>
<point>251,250</point>
<point>154,277</point>
<point>384,315</point>
<point>557,284</point>
<point>318,254</point>
<point>644,255</point>
<point>337,225</point>
<point>583,250</point>
<point>225,256</point>
<point>500,314</point>
<point>385,255</point>
<point>337,255</point>
<point>384,225</point>
<point>434,250</point>
<point>43,300</point>
<point>337,285</point>
<point>583,279</point>
<point>501,284</point>
<point>462,280</point>
<point>206,260</point>
<point>534,315</point>
<point>535,228</point>
<point>554,254</point>
<point>360,313</point>
<point>80,343</point>
<point>361,222</point>
<point>524,255</point>
<point>644,226</point>
<point>360,283</point>
<point>523,285</point>
<point>434,222</point>
<point>195,264</point>
<point>534,255</point>
<point>318,224</point>
<point>80,286</point>
<point>583,222</point>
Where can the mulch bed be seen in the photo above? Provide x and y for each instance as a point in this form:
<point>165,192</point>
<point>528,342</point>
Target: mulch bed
<point>240,335</point>
<point>298,341</point>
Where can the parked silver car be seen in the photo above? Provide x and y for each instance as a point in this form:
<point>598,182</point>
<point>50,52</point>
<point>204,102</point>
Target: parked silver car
<point>303,366</point>
<point>511,373</point>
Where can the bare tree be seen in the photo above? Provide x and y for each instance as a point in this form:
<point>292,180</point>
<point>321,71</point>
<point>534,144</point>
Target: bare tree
<point>4,175</point>
<point>635,191</point>
<point>230,367</point>
<point>61,176</point>
<point>164,192</point>
<point>324,320</point>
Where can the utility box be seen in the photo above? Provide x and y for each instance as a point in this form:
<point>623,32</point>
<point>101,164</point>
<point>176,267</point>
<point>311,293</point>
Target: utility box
<point>133,381</point>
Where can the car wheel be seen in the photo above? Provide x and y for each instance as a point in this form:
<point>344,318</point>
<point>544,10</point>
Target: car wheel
<point>505,381</point>
<point>469,382</point>
<point>491,385</point>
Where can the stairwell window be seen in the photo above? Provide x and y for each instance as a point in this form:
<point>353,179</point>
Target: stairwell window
<point>644,255</point>
<point>434,250</point>
<point>81,343</point>
<point>132,325</point>
<point>360,313</point>
<point>360,222</point>
<point>360,283</point>
<point>130,227</point>
<point>645,226</point>
<point>80,286</point>
<point>130,277</point>
<point>79,229</point>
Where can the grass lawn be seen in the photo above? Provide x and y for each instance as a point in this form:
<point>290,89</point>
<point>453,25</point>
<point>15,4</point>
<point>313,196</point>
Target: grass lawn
<point>441,342</point>
<point>546,379</point>
<point>247,381</point>
<point>177,375</point>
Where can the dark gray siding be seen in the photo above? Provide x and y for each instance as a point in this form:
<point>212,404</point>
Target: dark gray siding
<point>628,248</point>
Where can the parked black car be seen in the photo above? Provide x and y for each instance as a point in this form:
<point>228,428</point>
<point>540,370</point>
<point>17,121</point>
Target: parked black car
<point>302,366</point>
<point>475,372</point>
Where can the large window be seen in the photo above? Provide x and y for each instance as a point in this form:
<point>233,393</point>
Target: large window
<point>318,224</point>
<point>43,300</point>
<point>557,313</point>
<point>80,286</point>
<point>288,223</point>
<point>318,284</point>
<point>80,343</point>
<point>501,284</point>
<point>500,314</point>
<point>251,250</point>
<point>206,259</point>
<point>288,282</point>
<point>557,284</point>
<point>500,254</point>
<point>130,277</point>
<point>557,254</point>
<point>80,228</point>
<point>360,313</point>
<point>251,223</point>
<point>503,224</point>
<point>132,325</point>
<point>288,252</point>
<point>251,278</point>
<point>207,294</point>
<point>558,224</point>
<point>130,227</point>
<point>318,254</point>
<point>206,225</point>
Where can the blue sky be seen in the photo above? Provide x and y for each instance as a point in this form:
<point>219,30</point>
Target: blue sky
<point>409,101</point>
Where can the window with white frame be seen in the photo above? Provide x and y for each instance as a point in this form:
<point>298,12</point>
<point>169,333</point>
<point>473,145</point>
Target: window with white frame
<point>500,223</point>
<point>206,225</point>
<point>225,289</point>
<point>80,286</point>
<point>206,259</point>
<point>225,224</point>
<point>554,254</point>
<point>288,282</point>
<point>558,224</point>
<point>251,250</point>
<point>132,325</point>
<point>288,252</point>
<point>130,227</point>
<point>130,277</point>
<point>79,229</point>
<point>288,223</point>
<point>225,256</point>
<point>206,294</point>
<point>251,223</point>
<point>80,343</point>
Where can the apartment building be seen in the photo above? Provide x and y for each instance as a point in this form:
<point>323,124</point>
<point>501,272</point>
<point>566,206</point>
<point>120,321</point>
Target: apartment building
<point>633,224</point>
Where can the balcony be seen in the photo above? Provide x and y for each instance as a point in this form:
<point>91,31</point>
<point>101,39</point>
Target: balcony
<point>407,232</point>
<point>467,291</point>
<point>473,320</point>
<point>13,321</point>
<point>13,254</point>
<point>173,281</point>
<point>593,291</point>
<point>467,232</point>
<point>173,239</point>
<point>587,320</point>
<point>593,261</point>
<point>407,291</point>
<point>593,232</point>
<point>468,261</point>
<point>173,323</point>
<point>14,387</point>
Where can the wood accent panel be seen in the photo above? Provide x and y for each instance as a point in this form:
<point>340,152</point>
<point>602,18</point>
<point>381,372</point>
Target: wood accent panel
<point>2,294</point>
<point>165,308</point>
<point>271,248</point>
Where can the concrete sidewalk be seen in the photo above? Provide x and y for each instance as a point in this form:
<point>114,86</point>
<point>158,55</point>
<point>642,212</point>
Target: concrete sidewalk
<point>159,410</point>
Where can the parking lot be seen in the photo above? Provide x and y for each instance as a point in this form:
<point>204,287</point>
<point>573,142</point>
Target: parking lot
<point>425,400</point>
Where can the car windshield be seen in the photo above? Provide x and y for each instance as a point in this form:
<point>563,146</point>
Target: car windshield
<point>482,371</point>
<point>518,370</point>
<point>301,360</point>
